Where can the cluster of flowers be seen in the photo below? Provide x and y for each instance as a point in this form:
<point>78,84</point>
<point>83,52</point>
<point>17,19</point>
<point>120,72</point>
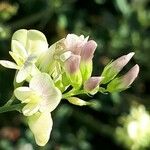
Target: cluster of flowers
<point>61,71</point>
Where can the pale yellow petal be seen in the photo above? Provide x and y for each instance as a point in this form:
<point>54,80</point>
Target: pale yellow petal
<point>8,64</point>
<point>23,93</point>
<point>23,73</point>
<point>36,42</point>
<point>18,48</point>
<point>30,109</point>
<point>20,36</point>
<point>41,126</point>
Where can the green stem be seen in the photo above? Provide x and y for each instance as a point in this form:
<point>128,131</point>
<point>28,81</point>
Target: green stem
<point>9,102</point>
<point>16,107</point>
<point>73,93</point>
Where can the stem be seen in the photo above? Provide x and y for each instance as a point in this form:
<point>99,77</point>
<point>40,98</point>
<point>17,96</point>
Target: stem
<point>16,107</point>
<point>73,93</point>
<point>9,102</point>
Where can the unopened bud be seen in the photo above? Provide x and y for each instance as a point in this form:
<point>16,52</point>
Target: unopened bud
<point>77,101</point>
<point>72,64</point>
<point>122,83</point>
<point>113,68</point>
<point>73,71</point>
<point>130,76</point>
<point>88,50</point>
<point>92,83</point>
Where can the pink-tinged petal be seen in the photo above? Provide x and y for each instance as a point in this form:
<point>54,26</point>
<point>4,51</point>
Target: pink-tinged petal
<point>88,50</point>
<point>123,82</point>
<point>72,64</point>
<point>41,83</point>
<point>44,86</point>
<point>92,83</point>
<point>75,43</point>
<point>113,68</point>
<point>51,101</point>
<point>130,76</point>
<point>119,63</point>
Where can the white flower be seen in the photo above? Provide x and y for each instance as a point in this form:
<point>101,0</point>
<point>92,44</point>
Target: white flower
<point>41,98</point>
<point>26,47</point>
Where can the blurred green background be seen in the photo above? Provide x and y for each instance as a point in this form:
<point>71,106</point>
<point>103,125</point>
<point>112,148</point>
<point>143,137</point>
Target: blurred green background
<point>116,121</point>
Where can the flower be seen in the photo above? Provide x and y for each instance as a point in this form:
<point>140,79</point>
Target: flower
<point>41,95</point>
<point>26,47</point>
<point>123,82</point>
<point>113,68</point>
<point>81,48</point>
<point>92,84</point>
<point>40,98</point>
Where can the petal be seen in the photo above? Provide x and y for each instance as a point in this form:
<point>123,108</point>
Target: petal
<point>23,73</point>
<point>8,64</point>
<point>43,84</point>
<point>77,101</point>
<point>18,48</point>
<point>23,93</point>
<point>51,101</point>
<point>32,40</point>
<point>36,42</point>
<point>18,59</point>
<point>30,109</point>
<point>20,36</point>
<point>72,64</point>
<point>41,126</point>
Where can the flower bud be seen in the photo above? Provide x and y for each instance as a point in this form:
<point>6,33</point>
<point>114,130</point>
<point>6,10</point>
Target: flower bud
<point>130,76</point>
<point>77,101</point>
<point>72,64</point>
<point>122,83</point>
<point>88,50</point>
<point>113,68</point>
<point>92,84</point>
<point>73,71</point>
